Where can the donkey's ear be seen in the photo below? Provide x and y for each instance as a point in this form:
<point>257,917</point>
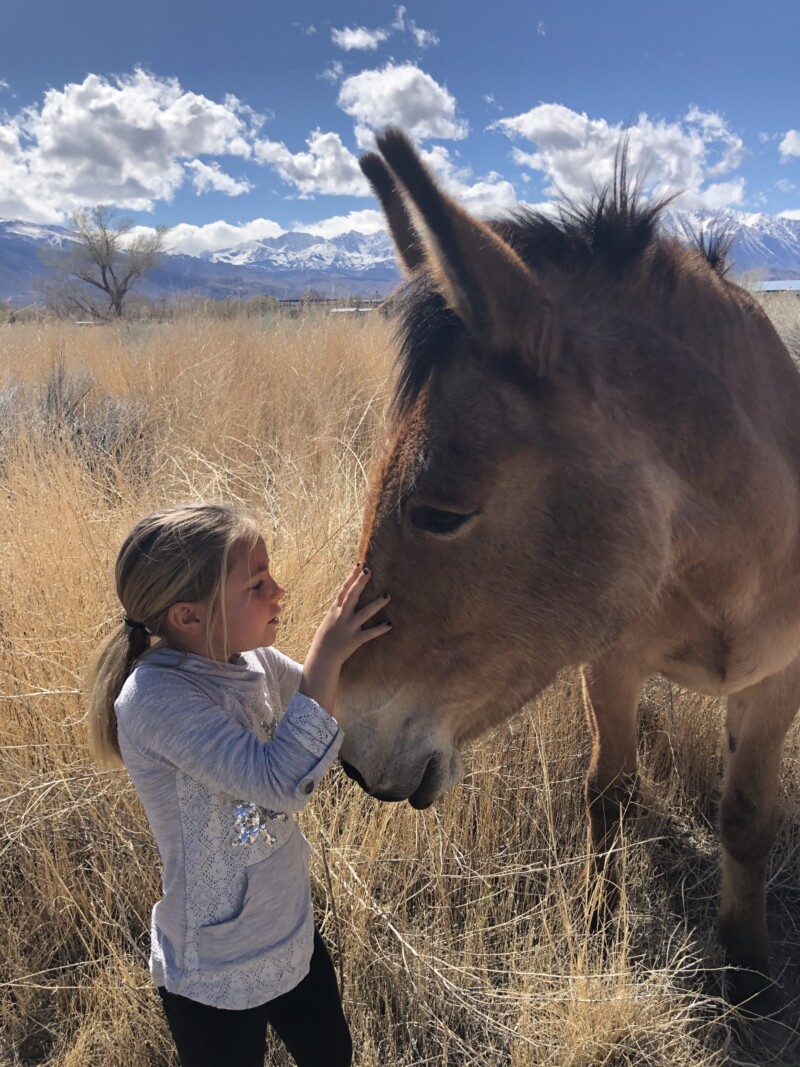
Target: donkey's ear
<point>405,236</point>
<point>480,276</point>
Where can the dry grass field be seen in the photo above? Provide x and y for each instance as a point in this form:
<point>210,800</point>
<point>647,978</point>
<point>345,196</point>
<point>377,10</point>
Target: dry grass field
<point>458,929</point>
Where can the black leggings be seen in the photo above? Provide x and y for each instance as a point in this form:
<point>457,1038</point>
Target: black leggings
<point>308,1019</point>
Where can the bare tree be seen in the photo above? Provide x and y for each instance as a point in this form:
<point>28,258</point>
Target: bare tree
<point>95,274</point>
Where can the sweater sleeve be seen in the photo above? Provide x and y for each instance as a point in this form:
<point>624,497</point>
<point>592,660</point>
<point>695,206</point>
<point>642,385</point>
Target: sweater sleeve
<point>179,725</point>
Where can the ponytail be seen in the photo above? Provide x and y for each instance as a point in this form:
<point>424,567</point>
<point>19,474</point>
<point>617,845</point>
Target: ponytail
<point>112,663</point>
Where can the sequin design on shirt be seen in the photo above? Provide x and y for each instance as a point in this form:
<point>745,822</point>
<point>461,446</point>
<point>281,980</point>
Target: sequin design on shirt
<point>251,820</point>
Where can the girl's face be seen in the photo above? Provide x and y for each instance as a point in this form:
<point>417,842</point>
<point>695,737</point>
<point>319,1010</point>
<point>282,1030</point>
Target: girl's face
<point>252,604</point>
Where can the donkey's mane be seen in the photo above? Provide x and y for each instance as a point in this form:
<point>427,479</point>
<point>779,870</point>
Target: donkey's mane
<point>605,238</point>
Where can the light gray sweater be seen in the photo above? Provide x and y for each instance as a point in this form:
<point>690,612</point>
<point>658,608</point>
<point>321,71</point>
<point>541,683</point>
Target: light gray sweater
<point>220,755</point>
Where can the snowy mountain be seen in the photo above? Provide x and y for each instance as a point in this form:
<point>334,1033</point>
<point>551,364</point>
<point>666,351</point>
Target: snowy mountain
<point>351,264</point>
<point>20,243</point>
<point>287,266</point>
<point>37,232</point>
<point>352,252</point>
<point>767,245</point>
<point>763,244</point>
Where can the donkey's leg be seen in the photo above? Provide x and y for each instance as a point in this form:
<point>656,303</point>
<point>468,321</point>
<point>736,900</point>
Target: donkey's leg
<point>757,721</point>
<point>611,690</point>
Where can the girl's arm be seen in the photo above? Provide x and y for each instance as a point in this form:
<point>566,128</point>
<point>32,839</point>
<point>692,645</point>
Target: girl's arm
<point>174,724</point>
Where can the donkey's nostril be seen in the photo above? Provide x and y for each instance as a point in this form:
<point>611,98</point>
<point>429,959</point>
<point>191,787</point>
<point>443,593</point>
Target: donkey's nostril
<point>351,772</point>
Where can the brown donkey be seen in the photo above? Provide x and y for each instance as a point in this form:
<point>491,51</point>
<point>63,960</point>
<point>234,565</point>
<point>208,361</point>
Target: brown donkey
<point>594,459</point>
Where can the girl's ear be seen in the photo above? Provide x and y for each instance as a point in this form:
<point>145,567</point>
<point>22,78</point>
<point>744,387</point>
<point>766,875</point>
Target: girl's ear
<point>186,617</point>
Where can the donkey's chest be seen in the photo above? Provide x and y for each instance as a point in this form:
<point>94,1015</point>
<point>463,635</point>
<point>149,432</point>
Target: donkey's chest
<point>719,652</point>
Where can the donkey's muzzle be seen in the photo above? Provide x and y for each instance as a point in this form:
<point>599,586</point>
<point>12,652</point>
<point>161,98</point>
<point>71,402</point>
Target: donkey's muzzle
<point>358,778</point>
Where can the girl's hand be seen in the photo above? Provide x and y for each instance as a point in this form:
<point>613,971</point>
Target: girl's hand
<point>338,637</point>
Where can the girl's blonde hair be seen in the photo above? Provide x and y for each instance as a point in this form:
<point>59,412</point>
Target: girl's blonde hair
<point>178,554</point>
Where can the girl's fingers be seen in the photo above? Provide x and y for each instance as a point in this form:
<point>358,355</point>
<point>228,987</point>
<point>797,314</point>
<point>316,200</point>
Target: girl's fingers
<point>348,583</point>
<point>347,600</point>
<point>374,631</point>
<point>356,588</point>
<point>366,613</point>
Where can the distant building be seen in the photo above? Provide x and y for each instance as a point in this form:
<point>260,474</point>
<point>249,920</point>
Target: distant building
<point>788,285</point>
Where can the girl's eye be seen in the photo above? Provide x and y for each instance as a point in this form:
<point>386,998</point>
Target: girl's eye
<point>257,586</point>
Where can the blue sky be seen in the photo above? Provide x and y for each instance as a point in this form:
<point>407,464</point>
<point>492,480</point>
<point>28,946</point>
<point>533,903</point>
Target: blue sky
<point>240,120</point>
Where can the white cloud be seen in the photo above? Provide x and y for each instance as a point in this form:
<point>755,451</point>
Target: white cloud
<point>205,177</point>
<point>4,85</point>
<point>714,130</point>
<point>333,73</point>
<point>783,185</point>
<point>337,172</point>
<point>793,213</point>
<point>576,153</point>
<point>790,145</point>
<point>214,236</point>
<point>422,38</point>
<point>715,197</point>
<point>358,38</point>
<point>119,141</point>
<point>540,29</point>
<point>488,196</point>
<point>403,96</point>
<point>327,167</point>
<point>370,220</point>
<point>9,141</point>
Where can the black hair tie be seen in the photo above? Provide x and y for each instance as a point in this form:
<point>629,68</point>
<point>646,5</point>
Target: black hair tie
<point>133,625</point>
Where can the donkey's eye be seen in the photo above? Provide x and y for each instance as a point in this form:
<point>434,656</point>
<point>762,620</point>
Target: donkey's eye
<point>437,520</point>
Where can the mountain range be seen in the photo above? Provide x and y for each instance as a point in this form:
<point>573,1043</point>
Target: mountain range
<point>764,247</point>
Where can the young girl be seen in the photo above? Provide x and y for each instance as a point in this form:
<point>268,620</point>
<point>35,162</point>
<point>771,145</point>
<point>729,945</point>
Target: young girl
<point>224,738</point>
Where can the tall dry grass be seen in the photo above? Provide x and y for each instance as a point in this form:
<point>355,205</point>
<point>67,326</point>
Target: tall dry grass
<point>457,929</point>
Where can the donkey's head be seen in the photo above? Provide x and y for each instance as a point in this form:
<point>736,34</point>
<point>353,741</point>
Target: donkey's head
<point>506,516</point>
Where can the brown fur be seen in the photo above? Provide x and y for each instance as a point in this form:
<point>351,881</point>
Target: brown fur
<point>594,460</point>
